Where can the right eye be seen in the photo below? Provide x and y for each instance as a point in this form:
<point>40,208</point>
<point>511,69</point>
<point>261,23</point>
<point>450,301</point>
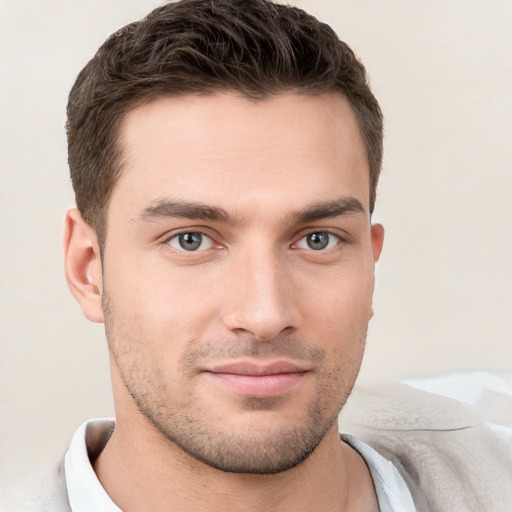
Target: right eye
<point>190,241</point>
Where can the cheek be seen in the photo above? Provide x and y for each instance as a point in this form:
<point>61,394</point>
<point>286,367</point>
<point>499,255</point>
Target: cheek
<point>175,300</point>
<point>344,298</point>
<point>338,318</point>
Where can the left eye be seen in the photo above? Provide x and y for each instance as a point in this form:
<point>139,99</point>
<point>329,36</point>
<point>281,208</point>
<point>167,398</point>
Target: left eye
<point>190,241</point>
<point>318,241</point>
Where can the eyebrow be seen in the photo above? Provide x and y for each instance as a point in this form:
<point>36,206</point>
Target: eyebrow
<point>328,210</point>
<point>164,208</point>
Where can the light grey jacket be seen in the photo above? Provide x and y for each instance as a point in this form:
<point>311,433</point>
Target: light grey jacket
<point>452,457</point>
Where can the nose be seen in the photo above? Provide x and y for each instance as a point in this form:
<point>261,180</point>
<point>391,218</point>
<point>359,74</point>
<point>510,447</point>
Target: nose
<point>261,300</point>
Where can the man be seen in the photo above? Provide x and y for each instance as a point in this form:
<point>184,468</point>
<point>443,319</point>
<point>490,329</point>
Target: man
<point>225,157</point>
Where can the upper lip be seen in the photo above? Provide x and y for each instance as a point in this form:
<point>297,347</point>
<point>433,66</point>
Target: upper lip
<point>258,368</point>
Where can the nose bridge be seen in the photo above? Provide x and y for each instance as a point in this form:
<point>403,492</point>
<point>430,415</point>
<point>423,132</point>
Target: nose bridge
<point>262,301</point>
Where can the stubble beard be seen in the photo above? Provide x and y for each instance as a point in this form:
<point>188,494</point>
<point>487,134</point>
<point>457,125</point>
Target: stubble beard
<point>262,450</point>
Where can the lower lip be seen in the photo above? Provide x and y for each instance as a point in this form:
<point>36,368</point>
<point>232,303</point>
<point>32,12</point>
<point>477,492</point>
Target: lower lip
<point>259,385</point>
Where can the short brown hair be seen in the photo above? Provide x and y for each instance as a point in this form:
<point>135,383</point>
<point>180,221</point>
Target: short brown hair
<point>253,47</point>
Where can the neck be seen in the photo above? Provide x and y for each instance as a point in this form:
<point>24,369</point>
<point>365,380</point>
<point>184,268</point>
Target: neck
<point>141,470</point>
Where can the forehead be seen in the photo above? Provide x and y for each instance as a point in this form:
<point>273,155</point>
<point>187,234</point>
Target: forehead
<point>232,152</point>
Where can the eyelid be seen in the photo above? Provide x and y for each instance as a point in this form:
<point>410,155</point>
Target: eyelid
<point>203,230</point>
<point>337,238</point>
<point>205,243</point>
<point>166,239</point>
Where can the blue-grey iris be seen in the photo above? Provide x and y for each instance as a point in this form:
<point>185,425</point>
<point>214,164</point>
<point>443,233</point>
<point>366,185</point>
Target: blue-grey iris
<point>190,241</point>
<point>317,241</point>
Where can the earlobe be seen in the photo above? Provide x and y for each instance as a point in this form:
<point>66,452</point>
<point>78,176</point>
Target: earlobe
<point>82,263</point>
<point>377,240</point>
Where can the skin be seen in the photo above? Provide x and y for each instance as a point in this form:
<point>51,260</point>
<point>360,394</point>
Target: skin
<point>254,179</point>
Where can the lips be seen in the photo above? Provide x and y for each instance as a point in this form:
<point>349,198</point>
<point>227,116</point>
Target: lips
<point>258,379</point>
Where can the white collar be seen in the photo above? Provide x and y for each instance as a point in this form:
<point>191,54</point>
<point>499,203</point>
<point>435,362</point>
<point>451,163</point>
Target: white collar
<point>86,492</point>
<point>84,489</point>
<point>393,494</point>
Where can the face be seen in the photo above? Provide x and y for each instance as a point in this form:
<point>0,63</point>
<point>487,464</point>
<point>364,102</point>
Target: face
<point>238,273</point>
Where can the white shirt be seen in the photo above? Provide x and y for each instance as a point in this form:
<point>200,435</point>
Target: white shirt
<point>86,492</point>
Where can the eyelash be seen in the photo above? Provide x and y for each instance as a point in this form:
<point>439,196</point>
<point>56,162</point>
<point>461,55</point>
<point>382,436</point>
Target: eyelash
<point>175,236</point>
<point>332,237</point>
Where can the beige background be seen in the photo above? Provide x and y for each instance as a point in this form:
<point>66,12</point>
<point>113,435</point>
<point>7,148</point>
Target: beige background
<point>443,73</point>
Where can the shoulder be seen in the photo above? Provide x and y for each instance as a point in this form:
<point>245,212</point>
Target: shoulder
<point>43,490</point>
<point>453,456</point>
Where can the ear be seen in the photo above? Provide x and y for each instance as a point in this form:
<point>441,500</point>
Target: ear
<point>377,234</point>
<point>82,263</point>
<point>377,240</point>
